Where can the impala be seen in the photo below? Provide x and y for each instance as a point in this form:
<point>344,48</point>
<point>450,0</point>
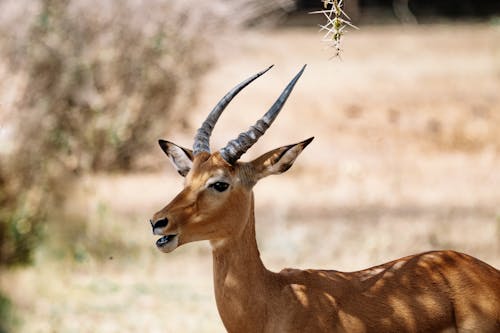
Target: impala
<point>440,291</point>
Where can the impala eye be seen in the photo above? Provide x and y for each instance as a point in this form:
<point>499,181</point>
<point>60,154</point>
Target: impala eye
<point>219,186</point>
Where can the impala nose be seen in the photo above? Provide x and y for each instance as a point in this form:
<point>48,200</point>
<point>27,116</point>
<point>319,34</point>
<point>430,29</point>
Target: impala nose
<point>159,224</point>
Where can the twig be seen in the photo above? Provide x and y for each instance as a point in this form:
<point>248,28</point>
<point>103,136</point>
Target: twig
<point>337,21</point>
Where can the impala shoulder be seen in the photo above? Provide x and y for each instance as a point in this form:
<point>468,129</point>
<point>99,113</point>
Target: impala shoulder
<point>294,280</point>
<point>290,272</point>
<point>314,282</point>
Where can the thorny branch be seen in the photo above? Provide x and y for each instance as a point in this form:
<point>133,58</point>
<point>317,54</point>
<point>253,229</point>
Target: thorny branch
<point>335,27</point>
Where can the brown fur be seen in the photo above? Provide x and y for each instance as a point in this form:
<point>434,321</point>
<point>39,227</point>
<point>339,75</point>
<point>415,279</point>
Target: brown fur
<point>442,291</point>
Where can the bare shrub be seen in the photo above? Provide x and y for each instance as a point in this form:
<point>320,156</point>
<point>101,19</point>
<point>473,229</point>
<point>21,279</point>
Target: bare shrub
<point>102,80</point>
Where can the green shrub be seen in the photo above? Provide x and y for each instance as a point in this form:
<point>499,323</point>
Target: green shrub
<point>6,314</point>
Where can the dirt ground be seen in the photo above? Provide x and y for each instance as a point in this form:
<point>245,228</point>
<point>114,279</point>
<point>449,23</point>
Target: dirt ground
<point>406,158</point>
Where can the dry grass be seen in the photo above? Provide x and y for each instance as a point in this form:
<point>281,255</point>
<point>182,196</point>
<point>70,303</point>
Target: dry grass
<point>406,159</point>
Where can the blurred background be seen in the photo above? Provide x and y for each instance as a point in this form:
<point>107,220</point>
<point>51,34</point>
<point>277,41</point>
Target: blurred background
<point>406,156</point>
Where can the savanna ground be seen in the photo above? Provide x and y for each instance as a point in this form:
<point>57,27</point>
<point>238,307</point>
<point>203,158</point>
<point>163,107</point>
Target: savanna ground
<point>406,159</point>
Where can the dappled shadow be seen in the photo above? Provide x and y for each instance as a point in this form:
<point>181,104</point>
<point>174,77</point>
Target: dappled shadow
<point>430,292</point>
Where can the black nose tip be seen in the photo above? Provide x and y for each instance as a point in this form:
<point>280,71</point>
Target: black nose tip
<point>160,223</point>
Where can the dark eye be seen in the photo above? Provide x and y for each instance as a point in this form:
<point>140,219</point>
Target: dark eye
<point>220,186</point>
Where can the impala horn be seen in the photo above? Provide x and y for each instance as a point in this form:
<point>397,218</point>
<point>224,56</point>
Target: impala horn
<point>237,147</point>
<point>202,138</point>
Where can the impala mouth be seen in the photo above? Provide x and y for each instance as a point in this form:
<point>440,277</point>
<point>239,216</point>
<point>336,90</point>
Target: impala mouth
<point>167,243</point>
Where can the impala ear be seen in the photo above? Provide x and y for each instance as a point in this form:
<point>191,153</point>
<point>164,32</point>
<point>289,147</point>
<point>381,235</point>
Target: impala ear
<point>181,158</point>
<point>278,160</point>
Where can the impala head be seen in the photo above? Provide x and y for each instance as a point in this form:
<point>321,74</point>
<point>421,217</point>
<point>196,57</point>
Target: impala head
<point>216,201</point>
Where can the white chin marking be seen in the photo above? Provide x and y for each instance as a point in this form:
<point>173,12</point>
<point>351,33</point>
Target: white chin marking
<point>167,243</point>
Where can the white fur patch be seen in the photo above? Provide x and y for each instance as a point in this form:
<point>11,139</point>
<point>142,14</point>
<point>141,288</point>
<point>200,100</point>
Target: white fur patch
<point>181,161</point>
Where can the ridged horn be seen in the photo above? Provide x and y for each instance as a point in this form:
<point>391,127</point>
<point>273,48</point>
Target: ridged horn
<point>237,147</point>
<point>202,138</point>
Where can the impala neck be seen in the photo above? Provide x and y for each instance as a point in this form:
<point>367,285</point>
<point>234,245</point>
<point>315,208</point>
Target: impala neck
<point>240,279</point>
